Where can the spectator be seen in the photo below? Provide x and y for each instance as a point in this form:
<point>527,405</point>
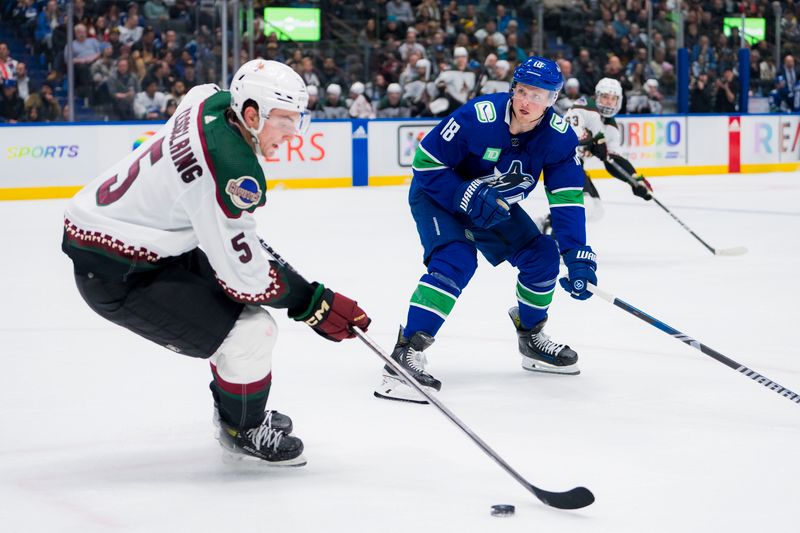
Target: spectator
<point>314,106</point>
<point>155,13</point>
<point>702,98</point>
<point>170,109</point>
<point>457,84</point>
<point>12,107</point>
<point>648,102</point>
<point>496,78</point>
<point>189,77</point>
<point>358,104</point>
<point>42,106</point>
<point>85,50</point>
<point>428,10</point>
<point>334,107</point>
<point>150,103</point>
<point>392,105</point>
<point>409,73</point>
<point>399,11</point>
<point>130,32</point>
<point>100,71</point>
<point>308,72</point>
<point>122,87</point>
<point>24,84</point>
<point>727,91</point>
<point>47,21</point>
<point>789,72</point>
<point>586,72</point>
<point>178,91</point>
<point>8,65</point>
<point>376,89</point>
<point>331,73</point>
<point>568,97</point>
<point>410,45</point>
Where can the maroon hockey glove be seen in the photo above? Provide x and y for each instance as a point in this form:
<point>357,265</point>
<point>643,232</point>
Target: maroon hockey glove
<point>332,315</point>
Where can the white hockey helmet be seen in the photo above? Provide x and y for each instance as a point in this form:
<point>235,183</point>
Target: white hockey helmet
<point>270,85</point>
<point>611,87</point>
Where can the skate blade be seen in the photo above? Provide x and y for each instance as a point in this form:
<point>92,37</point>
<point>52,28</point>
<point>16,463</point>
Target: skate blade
<point>544,368</point>
<point>248,462</point>
<point>392,388</point>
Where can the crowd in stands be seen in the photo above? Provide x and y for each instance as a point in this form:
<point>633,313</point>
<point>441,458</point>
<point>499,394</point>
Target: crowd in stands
<point>418,58</point>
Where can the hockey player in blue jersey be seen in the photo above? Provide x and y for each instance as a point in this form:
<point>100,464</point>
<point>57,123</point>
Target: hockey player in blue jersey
<point>469,173</point>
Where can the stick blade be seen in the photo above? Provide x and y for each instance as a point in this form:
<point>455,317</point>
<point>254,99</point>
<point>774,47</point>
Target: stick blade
<point>738,250</point>
<point>576,498</point>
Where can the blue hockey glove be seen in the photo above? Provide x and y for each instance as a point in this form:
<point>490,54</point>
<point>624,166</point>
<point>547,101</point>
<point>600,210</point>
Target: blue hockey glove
<point>483,204</point>
<point>581,265</point>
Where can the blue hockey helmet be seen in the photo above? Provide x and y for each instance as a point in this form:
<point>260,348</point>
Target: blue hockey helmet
<point>539,72</point>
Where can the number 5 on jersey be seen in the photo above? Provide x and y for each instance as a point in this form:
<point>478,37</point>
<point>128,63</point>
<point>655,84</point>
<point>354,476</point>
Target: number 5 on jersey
<point>450,129</point>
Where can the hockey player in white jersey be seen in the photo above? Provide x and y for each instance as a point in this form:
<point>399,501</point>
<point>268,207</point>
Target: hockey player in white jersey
<point>164,244</point>
<point>592,119</point>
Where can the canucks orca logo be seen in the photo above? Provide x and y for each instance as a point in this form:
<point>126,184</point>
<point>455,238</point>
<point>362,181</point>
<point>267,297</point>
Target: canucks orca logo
<point>514,184</point>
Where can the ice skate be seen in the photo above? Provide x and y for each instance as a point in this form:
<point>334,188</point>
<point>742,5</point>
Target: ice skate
<point>409,353</point>
<point>264,444</point>
<point>539,353</point>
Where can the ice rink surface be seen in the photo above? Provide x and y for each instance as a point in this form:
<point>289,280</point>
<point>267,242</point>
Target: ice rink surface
<point>103,431</point>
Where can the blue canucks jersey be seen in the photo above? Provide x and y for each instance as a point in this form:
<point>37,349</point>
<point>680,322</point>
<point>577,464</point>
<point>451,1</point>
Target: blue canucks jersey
<point>474,142</point>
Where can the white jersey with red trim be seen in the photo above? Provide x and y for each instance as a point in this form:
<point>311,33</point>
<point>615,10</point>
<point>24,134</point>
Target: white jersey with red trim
<point>587,122</point>
<point>196,182</point>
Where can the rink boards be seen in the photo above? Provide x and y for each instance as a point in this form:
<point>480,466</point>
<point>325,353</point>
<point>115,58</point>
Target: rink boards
<point>55,160</point>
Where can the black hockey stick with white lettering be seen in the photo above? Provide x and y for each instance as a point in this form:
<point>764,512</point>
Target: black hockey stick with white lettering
<point>572,499</point>
<point>752,374</point>
<point>738,250</point>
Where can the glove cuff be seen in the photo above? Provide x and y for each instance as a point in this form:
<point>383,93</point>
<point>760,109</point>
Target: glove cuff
<point>319,291</point>
<point>584,253</point>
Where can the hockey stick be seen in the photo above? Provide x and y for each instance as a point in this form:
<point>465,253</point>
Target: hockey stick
<point>572,499</point>
<point>738,250</point>
<point>752,374</point>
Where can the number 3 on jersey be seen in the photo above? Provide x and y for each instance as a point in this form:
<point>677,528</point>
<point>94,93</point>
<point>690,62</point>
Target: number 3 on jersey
<point>450,129</point>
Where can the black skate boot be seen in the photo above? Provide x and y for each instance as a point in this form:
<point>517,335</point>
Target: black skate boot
<point>265,442</point>
<point>409,353</point>
<point>539,353</point>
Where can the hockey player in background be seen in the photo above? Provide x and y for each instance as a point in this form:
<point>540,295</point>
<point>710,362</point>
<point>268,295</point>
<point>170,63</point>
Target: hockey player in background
<point>599,136</point>
<point>164,244</point>
<point>468,174</point>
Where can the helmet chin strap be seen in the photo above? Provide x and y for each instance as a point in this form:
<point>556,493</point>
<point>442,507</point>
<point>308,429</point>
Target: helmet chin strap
<point>253,131</point>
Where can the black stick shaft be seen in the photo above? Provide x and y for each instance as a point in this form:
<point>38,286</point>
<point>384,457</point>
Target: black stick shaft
<point>572,499</point>
<point>752,374</point>
<point>633,183</point>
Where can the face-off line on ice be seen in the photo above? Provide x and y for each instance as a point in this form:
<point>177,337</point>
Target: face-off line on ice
<point>212,182</point>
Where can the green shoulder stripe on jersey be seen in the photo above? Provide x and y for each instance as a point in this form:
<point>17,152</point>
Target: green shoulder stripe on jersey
<point>241,184</point>
<point>423,160</point>
<point>610,121</point>
<point>565,197</point>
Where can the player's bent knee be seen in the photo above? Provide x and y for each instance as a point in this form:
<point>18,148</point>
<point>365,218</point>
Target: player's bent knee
<point>456,262</point>
<point>245,355</point>
<point>539,260</point>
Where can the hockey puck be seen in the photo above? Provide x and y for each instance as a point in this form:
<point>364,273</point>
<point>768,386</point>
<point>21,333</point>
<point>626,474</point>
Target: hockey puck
<point>502,510</point>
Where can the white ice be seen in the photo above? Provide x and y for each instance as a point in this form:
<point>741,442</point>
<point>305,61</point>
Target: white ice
<point>103,431</point>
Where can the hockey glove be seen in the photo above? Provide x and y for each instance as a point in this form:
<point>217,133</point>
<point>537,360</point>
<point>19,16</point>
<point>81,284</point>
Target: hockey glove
<point>642,188</point>
<point>598,147</point>
<point>332,315</point>
<point>581,265</point>
<point>483,204</point>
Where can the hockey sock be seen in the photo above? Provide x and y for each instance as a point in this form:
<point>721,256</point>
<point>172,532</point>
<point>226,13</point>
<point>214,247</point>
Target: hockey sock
<point>240,404</point>
<point>430,304</point>
<point>534,299</point>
